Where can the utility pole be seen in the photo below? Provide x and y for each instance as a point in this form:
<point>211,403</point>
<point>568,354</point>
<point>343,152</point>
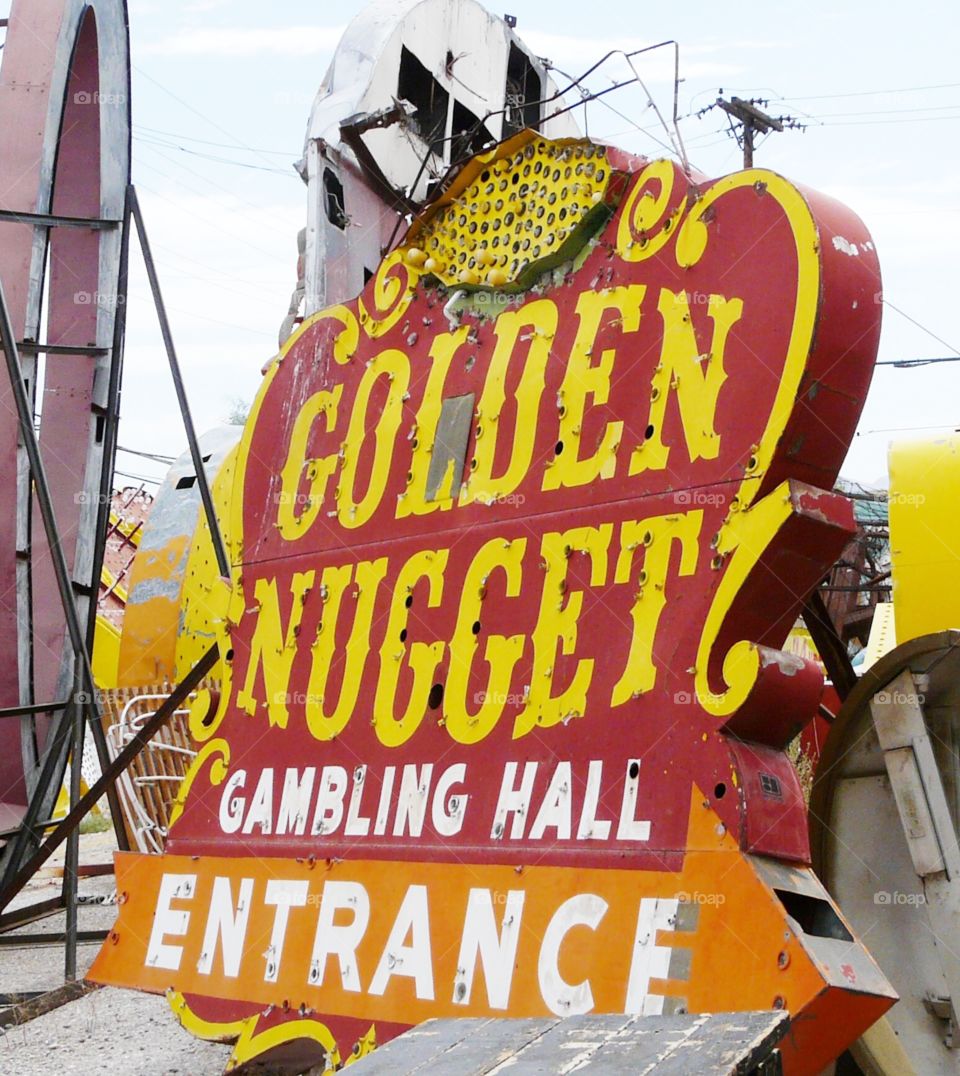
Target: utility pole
<point>750,120</point>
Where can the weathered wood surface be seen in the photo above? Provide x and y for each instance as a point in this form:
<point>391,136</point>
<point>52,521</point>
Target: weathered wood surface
<point>722,1044</point>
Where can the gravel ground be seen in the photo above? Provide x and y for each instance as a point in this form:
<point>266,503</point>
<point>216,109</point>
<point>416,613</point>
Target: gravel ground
<point>119,1032</point>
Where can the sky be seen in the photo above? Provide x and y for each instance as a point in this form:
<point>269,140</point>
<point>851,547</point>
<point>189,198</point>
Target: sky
<point>222,91</point>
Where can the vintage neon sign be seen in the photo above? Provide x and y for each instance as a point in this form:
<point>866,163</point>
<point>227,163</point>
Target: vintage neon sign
<point>502,713</point>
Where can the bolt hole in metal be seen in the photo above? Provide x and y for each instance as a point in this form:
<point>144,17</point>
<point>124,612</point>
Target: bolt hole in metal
<point>476,627</point>
<point>649,432</point>
<point>634,770</point>
<point>720,791</point>
<point>435,698</point>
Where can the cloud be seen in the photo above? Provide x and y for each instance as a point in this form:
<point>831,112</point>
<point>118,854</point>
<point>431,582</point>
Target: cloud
<point>247,41</point>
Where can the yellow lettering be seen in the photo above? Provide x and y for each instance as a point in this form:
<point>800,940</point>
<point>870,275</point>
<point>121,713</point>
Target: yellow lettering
<point>557,623</point>
<point>293,524</point>
<point>585,378</point>
<point>694,377</point>
<point>539,319</point>
<point>272,649</point>
<point>414,502</point>
<point>354,510</point>
<point>501,653</point>
<point>334,582</point>
<point>656,537</point>
<point>423,657</point>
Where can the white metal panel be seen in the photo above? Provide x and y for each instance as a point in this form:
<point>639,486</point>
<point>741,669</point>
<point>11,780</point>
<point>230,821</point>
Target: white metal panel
<point>466,51</point>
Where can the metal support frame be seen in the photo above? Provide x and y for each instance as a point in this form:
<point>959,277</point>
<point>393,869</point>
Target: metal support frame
<point>829,645</point>
<point>82,707</point>
<point>70,724</point>
<point>223,561</point>
<point>85,692</point>
<point>108,779</point>
<point>55,220</point>
<point>34,708</point>
<point>924,810</point>
<point>28,347</point>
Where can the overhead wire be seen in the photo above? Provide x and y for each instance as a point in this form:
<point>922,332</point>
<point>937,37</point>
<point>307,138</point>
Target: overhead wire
<point>203,317</point>
<point>196,111</point>
<point>914,362</point>
<point>872,93</point>
<point>207,142</point>
<point>217,186</point>
<point>217,159</point>
<point>272,255</point>
<point>155,456</point>
<point>138,477</point>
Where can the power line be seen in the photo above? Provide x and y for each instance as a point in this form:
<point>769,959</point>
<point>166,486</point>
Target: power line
<point>138,477</point>
<point>907,429</point>
<point>219,160</point>
<point>146,455</point>
<point>186,104</point>
<point>909,364</point>
<point>272,255</point>
<point>747,120</point>
<point>887,111</point>
<point>207,142</point>
<point>871,93</point>
<point>884,123</point>
<point>206,317</point>
<point>922,328</point>
<point>228,191</point>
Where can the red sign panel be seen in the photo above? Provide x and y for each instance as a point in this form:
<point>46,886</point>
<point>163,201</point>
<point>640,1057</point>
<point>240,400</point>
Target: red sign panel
<point>500,680</point>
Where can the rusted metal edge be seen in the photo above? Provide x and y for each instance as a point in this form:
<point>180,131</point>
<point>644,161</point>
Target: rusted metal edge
<point>26,1011</point>
<point>829,645</point>
<point>203,484</point>
<point>50,937</point>
<point>873,680</point>
<point>110,775</point>
<point>31,913</point>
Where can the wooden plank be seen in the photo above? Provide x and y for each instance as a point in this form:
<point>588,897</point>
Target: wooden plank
<point>490,1044</point>
<point>419,1047</point>
<point>724,1044</point>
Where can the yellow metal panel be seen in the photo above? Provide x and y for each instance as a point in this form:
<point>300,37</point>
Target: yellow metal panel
<point>524,202</point>
<point>883,634</point>
<point>924,538</point>
<point>204,597</point>
<point>106,654</point>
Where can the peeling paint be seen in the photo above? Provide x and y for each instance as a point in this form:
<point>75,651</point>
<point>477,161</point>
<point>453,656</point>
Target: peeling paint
<point>845,246</point>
